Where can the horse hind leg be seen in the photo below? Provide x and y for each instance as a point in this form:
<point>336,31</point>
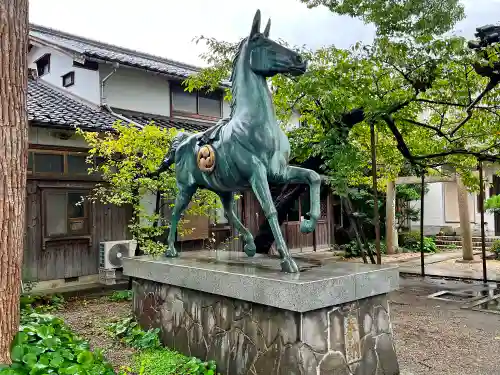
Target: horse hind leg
<point>227,200</point>
<point>181,202</point>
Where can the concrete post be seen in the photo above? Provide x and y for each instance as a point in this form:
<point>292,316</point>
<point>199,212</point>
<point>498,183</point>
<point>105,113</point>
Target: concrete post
<point>465,227</point>
<point>391,235</point>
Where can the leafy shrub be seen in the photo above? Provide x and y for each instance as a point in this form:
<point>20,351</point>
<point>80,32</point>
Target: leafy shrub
<point>352,251</point>
<point>411,241</point>
<point>39,303</point>
<point>495,247</point>
<point>164,361</point>
<point>45,345</point>
<point>130,333</point>
<point>492,204</point>
<point>122,295</point>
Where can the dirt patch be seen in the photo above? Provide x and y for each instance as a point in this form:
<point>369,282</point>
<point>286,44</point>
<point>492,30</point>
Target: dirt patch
<point>88,318</point>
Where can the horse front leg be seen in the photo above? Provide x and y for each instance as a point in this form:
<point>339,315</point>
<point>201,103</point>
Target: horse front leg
<point>227,200</point>
<point>311,178</point>
<point>181,202</point>
<point>261,190</point>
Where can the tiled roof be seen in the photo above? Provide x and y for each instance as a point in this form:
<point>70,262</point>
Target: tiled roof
<point>99,50</point>
<point>51,107</point>
<point>167,122</point>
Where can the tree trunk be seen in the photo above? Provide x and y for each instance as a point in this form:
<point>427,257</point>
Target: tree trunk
<point>13,161</point>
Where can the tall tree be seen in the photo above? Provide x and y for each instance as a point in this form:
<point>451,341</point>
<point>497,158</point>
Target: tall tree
<point>13,162</point>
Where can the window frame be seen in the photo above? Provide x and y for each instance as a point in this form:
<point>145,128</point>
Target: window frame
<point>176,87</point>
<point>68,233</point>
<point>38,61</point>
<point>71,75</point>
<point>65,154</point>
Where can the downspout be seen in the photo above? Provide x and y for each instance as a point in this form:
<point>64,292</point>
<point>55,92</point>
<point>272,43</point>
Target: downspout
<point>105,104</point>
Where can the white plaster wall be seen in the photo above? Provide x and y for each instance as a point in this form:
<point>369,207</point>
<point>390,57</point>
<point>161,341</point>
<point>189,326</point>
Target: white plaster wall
<point>226,109</point>
<point>86,81</point>
<point>433,207</point>
<point>136,90</point>
<point>48,137</point>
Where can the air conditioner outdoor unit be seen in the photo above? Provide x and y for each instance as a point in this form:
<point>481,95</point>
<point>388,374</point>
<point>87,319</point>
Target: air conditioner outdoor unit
<point>112,252</point>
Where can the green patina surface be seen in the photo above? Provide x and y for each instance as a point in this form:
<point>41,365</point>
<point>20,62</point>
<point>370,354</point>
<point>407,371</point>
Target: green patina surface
<point>250,149</point>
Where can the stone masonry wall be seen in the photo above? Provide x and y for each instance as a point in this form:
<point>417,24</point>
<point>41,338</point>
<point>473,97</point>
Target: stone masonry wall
<point>245,338</point>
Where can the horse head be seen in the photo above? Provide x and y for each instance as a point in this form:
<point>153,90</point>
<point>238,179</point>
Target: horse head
<point>268,58</point>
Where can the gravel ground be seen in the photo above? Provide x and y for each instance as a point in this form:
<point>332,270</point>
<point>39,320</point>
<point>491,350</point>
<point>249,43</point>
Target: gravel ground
<point>432,337</point>
<point>438,338</point>
<point>89,318</point>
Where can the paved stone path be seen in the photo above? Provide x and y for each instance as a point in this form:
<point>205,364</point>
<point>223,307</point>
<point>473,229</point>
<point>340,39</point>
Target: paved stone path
<point>445,265</point>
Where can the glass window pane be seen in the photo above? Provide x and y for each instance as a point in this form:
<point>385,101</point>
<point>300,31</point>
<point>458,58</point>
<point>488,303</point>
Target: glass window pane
<point>209,106</point>
<point>293,214</point>
<point>183,101</point>
<point>30,161</point>
<point>220,217</point>
<point>55,203</point>
<point>305,205</point>
<point>77,164</point>
<point>76,205</point>
<point>49,163</point>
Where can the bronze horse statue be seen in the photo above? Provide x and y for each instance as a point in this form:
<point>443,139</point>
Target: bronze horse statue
<point>246,150</point>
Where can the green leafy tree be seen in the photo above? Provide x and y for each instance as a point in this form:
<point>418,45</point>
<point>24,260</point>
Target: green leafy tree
<point>431,98</point>
<point>127,158</point>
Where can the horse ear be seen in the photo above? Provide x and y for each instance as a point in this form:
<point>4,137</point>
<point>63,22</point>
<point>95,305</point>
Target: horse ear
<point>256,23</point>
<point>267,29</point>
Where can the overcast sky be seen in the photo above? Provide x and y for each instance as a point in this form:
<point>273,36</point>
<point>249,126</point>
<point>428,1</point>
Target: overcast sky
<point>167,27</point>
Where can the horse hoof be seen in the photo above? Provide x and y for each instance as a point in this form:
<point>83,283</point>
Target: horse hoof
<point>288,265</point>
<point>171,253</point>
<point>307,226</point>
<point>250,249</point>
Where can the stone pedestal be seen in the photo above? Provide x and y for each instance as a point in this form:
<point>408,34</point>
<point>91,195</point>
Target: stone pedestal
<point>251,318</point>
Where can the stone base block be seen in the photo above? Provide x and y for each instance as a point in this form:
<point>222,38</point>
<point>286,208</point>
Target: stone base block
<point>351,335</point>
<point>248,338</point>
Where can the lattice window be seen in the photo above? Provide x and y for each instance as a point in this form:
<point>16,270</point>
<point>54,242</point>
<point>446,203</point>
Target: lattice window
<point>323,208</point>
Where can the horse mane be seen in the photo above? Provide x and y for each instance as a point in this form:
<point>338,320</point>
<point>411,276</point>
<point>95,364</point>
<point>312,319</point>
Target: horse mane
<point>233,74</point>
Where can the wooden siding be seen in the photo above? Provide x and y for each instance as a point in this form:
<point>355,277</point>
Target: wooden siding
<point>296,240</point>
<point>50,259</point>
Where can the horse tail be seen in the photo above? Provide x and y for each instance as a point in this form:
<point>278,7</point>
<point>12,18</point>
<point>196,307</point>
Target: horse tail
<point>178,139</point>
<point>170,158</point>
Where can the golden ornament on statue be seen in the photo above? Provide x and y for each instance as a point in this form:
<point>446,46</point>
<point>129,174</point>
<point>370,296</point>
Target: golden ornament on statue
<point>206,158</point>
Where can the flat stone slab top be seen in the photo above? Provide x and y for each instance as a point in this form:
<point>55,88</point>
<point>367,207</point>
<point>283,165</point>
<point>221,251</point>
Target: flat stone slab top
<point>260,280</point>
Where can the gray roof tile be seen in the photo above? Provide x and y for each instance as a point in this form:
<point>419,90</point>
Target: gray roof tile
<point>99,50</point>
<point>51,107</point>
<point>167,122</point>
<point>48,106</point>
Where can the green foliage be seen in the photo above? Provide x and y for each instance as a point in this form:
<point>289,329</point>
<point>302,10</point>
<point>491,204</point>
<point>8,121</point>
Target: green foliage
<point>121,295</point>
<point>411,242</point>
<point>351,249</point>
<point>45,345</point>
<point>41,303</point>
<point>395,17</point>
<point>414,83</point>
<point>492,204</point>
<point>495,248</point>
<point>163,361</point>
<point>128,155</point>
<point>130,333</point>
